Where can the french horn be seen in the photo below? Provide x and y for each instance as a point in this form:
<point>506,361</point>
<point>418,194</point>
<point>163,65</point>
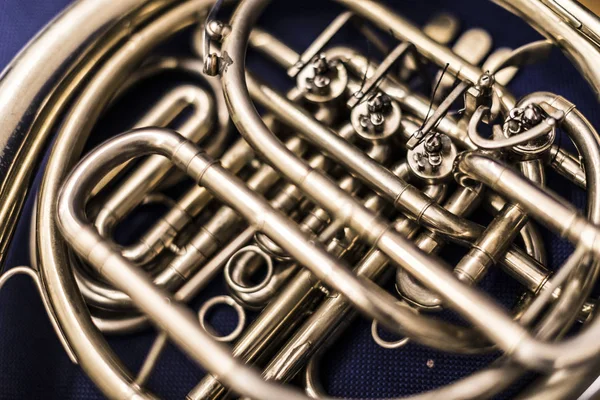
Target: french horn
<point>343,197</point>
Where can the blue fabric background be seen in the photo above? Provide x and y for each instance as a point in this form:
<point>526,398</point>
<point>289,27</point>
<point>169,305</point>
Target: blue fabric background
<point>34,365</point>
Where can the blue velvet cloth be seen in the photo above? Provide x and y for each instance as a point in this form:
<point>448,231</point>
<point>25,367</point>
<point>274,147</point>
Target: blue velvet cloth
<point>33,363</point>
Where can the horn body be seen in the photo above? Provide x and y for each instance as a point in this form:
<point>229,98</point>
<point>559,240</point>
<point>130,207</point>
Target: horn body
<point>342,198</point>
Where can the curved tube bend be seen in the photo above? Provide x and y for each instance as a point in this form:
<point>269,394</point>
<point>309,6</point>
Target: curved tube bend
<point>154,22</point>
<point>178,321</point>
<point>175,319</point>
<point>479,309</point>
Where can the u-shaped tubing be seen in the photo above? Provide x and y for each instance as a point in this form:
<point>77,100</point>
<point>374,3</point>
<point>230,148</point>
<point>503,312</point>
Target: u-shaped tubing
<point>145,178</point>
<point>50,233</point>
<point>178,321</point>
<point>477,308</point>
<point>371,299</point>
<point>175,319</point>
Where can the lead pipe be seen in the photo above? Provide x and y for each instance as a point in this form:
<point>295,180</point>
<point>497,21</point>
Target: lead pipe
<point>472,305</point>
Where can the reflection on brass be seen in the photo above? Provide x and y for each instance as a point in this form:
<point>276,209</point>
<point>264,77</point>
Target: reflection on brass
<point>359,174</point>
